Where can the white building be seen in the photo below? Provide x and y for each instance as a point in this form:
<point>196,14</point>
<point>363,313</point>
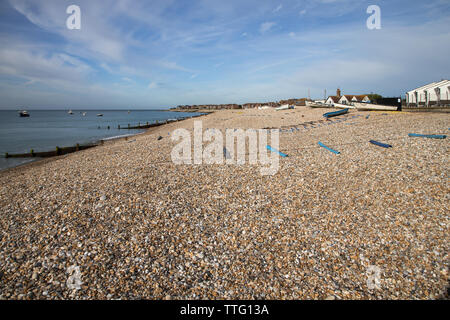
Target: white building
<point>361,98</point>
<point>345,99</point>
<point>332,100</point>
<point>436,93</point>
<point>349,99</point>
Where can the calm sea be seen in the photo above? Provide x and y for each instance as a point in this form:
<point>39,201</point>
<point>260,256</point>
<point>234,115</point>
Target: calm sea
<point>44,130</point>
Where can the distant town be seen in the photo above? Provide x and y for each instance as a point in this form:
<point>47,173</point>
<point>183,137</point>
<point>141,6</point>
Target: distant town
<point>432,95</point>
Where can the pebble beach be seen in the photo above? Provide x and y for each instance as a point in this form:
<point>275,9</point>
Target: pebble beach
<point>122,221</point>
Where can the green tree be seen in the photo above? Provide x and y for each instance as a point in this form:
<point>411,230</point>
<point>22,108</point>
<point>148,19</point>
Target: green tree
<point>374,96</point>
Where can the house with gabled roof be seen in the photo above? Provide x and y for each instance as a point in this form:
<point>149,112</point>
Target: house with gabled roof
<point>332,100</point>
<point>361,98</point>
<point>347,99</point>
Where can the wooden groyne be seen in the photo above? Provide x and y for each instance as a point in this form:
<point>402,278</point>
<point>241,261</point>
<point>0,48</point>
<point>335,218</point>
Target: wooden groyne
<point>66,150</point>
<point>148,125</point>
<point>48,154</point>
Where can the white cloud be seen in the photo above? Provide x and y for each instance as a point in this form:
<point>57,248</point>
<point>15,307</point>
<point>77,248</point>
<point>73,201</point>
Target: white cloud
<point>124,40</point>
<point>106,67</point>
<point>98,35</point>
<point>278,8</point>
<point>266,26</point>
<point>153,85</point>
<point>38,66</point>
<point>172,66</point>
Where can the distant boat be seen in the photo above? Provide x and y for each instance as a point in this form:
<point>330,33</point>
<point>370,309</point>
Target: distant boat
<point>335,113</point>
<point>129,111</point>
<point>24,114</point>
<point>70,112</point>
<point>100,115</point>
<point>284,107</point>
<point>84,114</point>
<point>317,104</point>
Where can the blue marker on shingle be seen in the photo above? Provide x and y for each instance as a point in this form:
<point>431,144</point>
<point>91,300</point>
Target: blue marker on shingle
<point>276,151</point>
<point>329,149</point>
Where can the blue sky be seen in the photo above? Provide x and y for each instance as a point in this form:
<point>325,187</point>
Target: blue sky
<point>159,54</point>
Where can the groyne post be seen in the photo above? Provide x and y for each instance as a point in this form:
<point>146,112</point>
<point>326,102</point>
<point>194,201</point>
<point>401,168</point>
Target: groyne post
<point>77,148</point>
<point>58,151</point>
<point>6,155</point>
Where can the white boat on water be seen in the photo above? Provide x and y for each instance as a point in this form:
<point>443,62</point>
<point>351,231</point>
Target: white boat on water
<point>24,114</point>
<point>374,107</point>
<point>70,112</point>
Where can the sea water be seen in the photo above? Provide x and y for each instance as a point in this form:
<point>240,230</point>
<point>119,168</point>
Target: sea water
<point>45,130</point>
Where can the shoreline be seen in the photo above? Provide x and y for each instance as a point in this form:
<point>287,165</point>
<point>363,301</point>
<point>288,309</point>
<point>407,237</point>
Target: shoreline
<point>93,144</point>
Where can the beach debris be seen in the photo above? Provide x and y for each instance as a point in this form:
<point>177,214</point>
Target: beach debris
<point>160,138</point>
<point>368,116</point>
<point>74,280</point>
<point>380,144</point>
<point>328,148</point>
<point>430,136</point>
<point>276,151</point>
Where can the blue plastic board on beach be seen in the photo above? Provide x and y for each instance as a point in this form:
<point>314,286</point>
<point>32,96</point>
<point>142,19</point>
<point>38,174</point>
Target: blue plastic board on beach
<point>328,148</point>
<point>380,144</point>
<point>276,151</point>
<point>430,136</point>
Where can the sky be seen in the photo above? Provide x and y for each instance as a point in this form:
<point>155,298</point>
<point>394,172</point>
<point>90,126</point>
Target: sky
<point>132,54</point>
